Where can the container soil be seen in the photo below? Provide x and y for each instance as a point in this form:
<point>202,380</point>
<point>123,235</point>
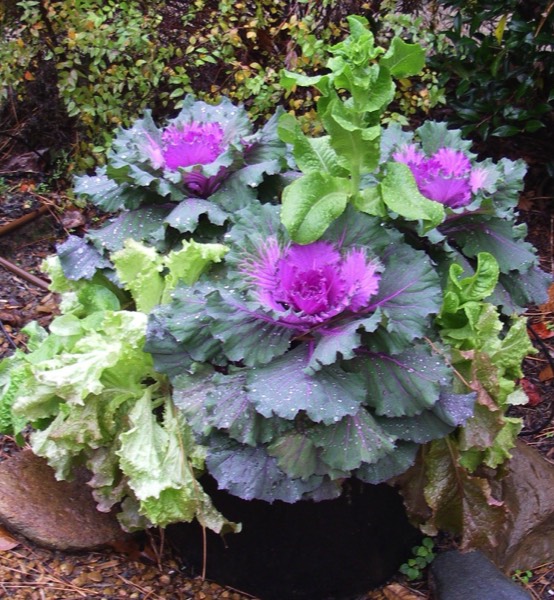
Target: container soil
<point>334,549</point>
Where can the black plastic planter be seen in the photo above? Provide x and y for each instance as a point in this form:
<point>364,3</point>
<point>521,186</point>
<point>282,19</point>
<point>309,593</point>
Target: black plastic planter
<point>335,549</point>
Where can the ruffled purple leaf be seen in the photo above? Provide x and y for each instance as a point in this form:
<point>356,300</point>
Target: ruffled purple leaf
<point>80,260</point>
<point>312,284</point>
<point>389,466</point>
<point>445,177</point>
<point>523,288</point>
<point>244,331</point>
<point>190,396</point>
<point>403,385</point>
<point>419,429</point>
<point>110,195</point>
<point>250,473</point>
<point>185,144</point>
<point>502,239</point>
<point>186,320</point>
<point>229,408</point>
<point>284,389</point>
<point>435,135</point>
<point>409,292</point>
<point>442,419</point>
<point>341,341</point>
<point>354,229</point>
<point>453,408</point>
<point>185,216</point>
<point>299,457</point>
<point>169,355</point>
<point>143,224</point>
<point>353,441</point>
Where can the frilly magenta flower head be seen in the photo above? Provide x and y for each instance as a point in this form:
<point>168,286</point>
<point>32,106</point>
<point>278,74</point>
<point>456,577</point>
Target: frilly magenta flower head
<point>312,284</point>
<point>446,176</point>
<point>186,145</point>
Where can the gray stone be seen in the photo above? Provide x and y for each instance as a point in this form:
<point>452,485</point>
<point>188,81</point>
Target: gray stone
<point>471,576</point>
<point>56,514</point>
<point>528,495</point>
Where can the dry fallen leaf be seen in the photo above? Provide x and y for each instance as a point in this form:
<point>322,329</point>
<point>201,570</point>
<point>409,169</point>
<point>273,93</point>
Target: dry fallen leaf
<point>7,542</point>
<point>72,218</point>
<point>395,591</point>
<point>531,391</point>
<point>542,330</point>
<point>12,317</point>
<point>546,374</point>
<point>548,306</point>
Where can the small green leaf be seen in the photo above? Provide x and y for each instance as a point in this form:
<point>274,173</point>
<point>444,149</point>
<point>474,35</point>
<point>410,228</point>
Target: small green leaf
<point>370,201</point>
<point>481,284</point>
<point>139,270</point>
<point>310,154</point>
<point>505,131</point>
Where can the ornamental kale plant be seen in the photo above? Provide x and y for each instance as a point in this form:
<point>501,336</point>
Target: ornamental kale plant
<point>365,326</point>
<point>479,200</point>
<point>205,161</point>
<point>319,369</point>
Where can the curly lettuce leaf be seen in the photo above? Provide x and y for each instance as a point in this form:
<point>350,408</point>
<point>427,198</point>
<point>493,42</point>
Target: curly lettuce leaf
<point>160,461</point>
<point>151,277</point>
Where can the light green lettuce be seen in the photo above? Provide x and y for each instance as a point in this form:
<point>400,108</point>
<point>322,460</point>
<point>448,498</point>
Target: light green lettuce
<point>93,396</point>
<point>150,277</point>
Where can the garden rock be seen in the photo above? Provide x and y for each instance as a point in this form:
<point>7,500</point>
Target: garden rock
<point>471,576</point>
<point>528,541</point>
<point>60,515</point>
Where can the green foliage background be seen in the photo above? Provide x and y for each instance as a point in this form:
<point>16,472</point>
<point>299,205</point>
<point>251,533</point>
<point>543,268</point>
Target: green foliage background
<point>73,71</point>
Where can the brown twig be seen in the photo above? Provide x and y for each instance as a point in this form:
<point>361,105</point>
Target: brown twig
<point>7,336</point>
<point>31,216</point>
<point>24,274</point>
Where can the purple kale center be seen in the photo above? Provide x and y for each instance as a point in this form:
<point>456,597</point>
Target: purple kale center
<point>311,284</point>
<point>446,176</point>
